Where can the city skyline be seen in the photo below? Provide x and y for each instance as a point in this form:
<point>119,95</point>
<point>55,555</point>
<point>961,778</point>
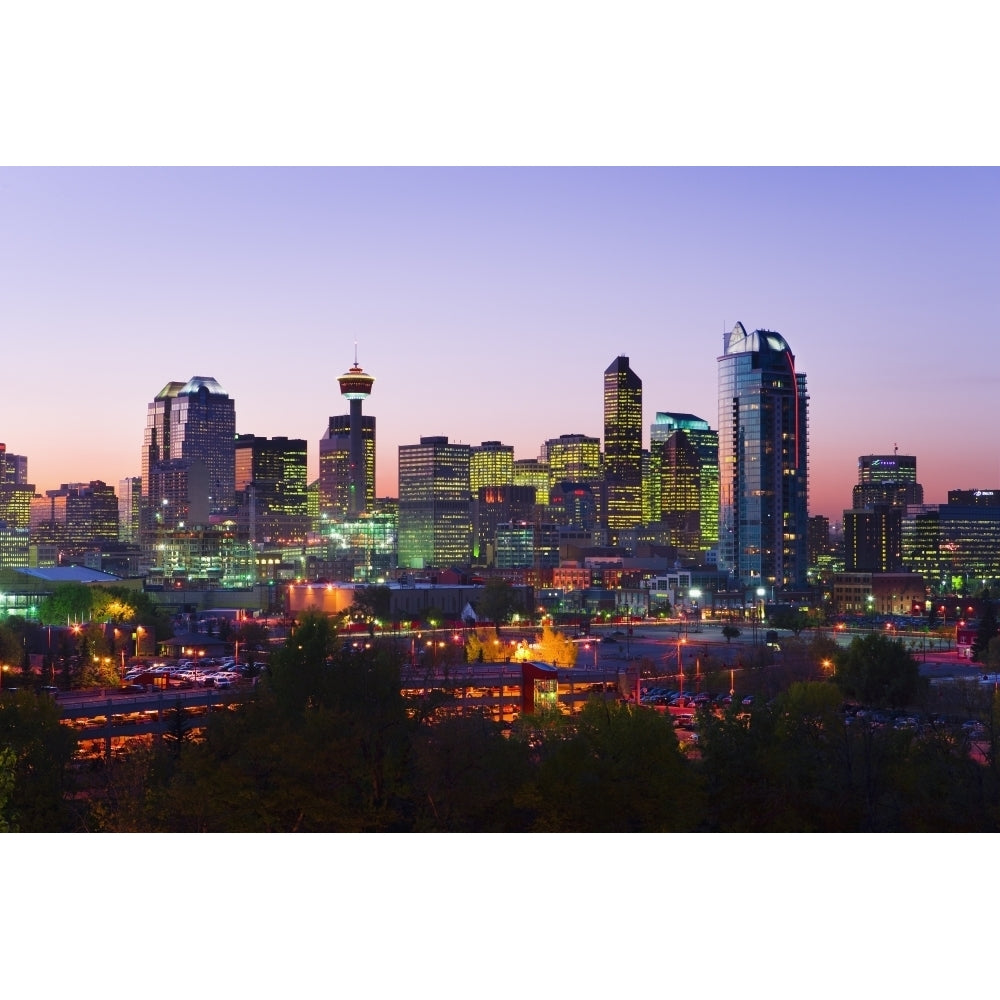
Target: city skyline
<point>487,303</point>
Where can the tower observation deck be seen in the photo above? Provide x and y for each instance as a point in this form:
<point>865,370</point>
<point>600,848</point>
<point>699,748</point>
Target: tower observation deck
<point>356,386</point>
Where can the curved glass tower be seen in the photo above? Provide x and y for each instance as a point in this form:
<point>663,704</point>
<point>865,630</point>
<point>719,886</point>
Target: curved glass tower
<point>763,462</point>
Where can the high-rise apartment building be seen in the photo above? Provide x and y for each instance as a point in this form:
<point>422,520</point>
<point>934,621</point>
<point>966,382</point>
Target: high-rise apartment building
<point>435,504</point>
<point>763,461</point>
<point>193,422</point>
<point>622,448</point>
<point>271,488</point>
<point>705,442</point>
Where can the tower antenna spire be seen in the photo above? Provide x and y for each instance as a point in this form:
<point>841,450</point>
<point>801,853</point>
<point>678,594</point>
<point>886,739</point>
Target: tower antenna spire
<point>355,352</point>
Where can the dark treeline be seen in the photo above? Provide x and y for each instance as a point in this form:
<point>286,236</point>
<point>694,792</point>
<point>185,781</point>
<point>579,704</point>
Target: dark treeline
<point>329,744</point>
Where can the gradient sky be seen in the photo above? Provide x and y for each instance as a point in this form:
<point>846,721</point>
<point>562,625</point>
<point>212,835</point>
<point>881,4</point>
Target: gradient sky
<point>488,302</point>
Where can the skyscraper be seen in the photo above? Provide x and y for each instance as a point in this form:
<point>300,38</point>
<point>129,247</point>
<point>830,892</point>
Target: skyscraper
<point>763,461</point>
<point>347,452</point>
<point>435,504</point>
<point>271,488</point>
<point>573,458</point>
<point>622,448</point>
<point>705,441</point>
<point>194,422</point>
<point>887,479</point>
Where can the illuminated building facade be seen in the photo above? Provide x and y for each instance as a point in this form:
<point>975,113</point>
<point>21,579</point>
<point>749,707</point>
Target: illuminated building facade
<point>533,472</point>
<point>974,498</point>
<point>129,508</point>
<point>522,544</point>
<point>622,448</point>
<point>956,549</point>
<point>491,479</point>
<point>495,505</point>
<point>14,545</point>
<point>194,421</point>
<point>705,442</point>
<point>763,462</point>
<point>873,539</point>
<point>574,458</point>
<point>435,504</point>
<point>13,468</point>
<point>15,504</point>
<point>491,464</point>
<point>887,479</point>
<point>271,488</point>
<point>76,515</point>
<point>347,453</point>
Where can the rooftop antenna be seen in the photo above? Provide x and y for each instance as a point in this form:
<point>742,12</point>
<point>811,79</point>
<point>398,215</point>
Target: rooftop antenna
<point>355,352</point>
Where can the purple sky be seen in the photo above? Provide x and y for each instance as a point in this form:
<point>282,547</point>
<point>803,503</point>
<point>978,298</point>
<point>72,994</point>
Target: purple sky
<point>488,302</point>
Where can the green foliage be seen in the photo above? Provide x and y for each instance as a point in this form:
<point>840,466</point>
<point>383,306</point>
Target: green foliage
<point>42,748</point>
<point>11,649</point>
<point>8,777</point>
<point>880,672</point>
<point>67,602</point>
<point>498,601</point>
<point>615,768</point>
<point>986,630</point>
<point>372,603</point>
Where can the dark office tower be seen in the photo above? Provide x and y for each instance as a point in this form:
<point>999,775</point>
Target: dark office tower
<point>347,452</point>
<point>763,462</point>
<point>13,468</point>
<point>819,537</point>
<point>873,539</point>
<point>887,479</point>
<point>435,504</point>
<point>622,448</point>
<point>194,422</point>
<point>706,444</point>
<point>974,498</point>
<point>271,488</point>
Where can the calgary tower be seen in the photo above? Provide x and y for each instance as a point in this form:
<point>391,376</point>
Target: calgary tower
<point>356,386</point>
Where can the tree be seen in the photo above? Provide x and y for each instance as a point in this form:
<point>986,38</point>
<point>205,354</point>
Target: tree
<point>42,749</point>
<point>483,646</point>
<point>879,671</point>
<point>68,601</point>
<point>730,632</point>
<point>497,603</point>
<point>371,604</point>
<point>986,630</point>
<point>555,648</point>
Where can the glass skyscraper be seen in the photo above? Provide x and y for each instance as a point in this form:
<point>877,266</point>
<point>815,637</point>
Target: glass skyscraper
<point>763,462</point>
<point>669,481</point>
<point>194,421</point>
